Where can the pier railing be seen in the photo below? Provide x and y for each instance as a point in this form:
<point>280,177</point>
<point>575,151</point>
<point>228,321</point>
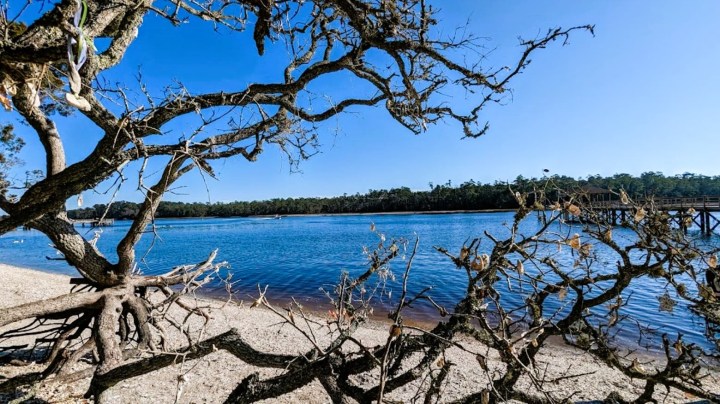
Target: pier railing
<point>702,202</point>
<point>684,212</point>
<point>94,222</point>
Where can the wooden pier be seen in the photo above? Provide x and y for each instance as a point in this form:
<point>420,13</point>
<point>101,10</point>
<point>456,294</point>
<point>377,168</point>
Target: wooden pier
<point>684,212</point>
<point>95,222</point>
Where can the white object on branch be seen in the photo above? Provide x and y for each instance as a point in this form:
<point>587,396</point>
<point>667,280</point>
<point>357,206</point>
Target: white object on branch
<point>77,55</point>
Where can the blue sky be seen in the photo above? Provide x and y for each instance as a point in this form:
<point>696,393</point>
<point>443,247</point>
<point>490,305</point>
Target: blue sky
<point>642,95</point>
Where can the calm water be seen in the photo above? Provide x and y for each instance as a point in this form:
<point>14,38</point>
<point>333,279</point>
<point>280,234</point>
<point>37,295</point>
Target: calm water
<point>300,256</point>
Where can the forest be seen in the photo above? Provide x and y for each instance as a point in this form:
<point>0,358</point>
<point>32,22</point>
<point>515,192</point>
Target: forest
<point>470,195</point>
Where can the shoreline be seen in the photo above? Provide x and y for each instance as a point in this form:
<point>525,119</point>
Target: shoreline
<point>408,212</point>
<point>315,307</point>
<point>215,376</point>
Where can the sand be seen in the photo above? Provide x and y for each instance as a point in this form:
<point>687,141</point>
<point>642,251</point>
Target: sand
<point>212,378</point>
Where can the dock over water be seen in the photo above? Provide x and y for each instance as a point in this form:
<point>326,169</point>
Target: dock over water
<point>682,211</point>
<point>94,222</point>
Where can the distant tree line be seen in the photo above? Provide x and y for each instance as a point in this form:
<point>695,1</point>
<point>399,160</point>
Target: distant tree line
<point>470,195</point>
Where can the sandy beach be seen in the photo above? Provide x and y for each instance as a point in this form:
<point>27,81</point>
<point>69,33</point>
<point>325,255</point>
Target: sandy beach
<point>212,378</point>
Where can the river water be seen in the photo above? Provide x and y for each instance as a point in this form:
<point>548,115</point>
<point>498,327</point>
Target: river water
<point>304,257</point>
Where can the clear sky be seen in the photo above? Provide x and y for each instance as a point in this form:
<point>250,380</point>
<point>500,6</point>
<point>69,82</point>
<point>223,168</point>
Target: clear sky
<point>642,95</point>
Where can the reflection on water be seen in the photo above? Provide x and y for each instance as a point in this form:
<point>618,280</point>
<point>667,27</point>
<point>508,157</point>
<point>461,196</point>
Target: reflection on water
<point>299,256</point>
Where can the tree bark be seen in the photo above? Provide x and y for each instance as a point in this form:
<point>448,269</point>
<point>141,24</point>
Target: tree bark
<point>56,305</point>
